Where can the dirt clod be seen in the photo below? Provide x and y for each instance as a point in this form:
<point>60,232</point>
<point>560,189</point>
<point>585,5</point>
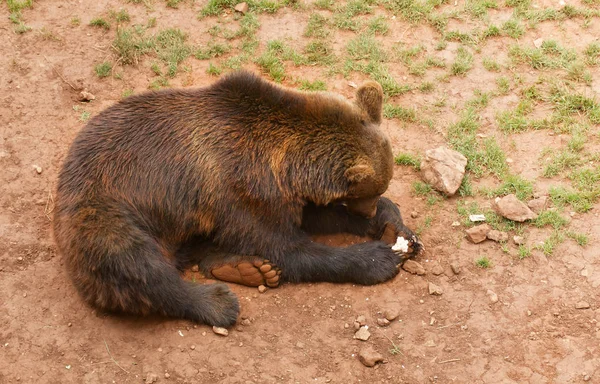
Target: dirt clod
<point>413,267</point>
<point>478,233</point>
<point>369,357</point>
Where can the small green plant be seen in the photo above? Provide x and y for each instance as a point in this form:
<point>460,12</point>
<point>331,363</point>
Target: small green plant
<point>317,26</point>
<point>550,244</point>
<point>126,93</point>
<point>317,85</point>
<point>365,47</point>
<point>391,111</point>
<point>524,251</point>
<point>378,25</point>
<point>85,116</point>
<point>491,65</point>
<point>212,50</point>
<point>580,238</point>
<point>421,189</point>
<point>213,70</point>
<point>409,160</point>
<point>513,28</point>
<point>483,262</point>
<point>103,69</point>
<point>75,21</point>
<point>580,201</point>
<point>521,187</point>
<point>121,16</point>
<point>463,62</point>
<point>100,23</point>
<point>552,218</point>
<point>592,54</point>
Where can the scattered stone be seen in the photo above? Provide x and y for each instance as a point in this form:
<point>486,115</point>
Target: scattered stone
<point>369,357</point>
<point>352,84</point>
<point>476,218</point>
<point>413,267</point>
<point>195,268</point>
<point>492,295</point>
<point>513,209</point>
<point>539,204</point>
<point>192,347</point>
<point>300,345</point>
<point>478,233</point>
<point>497,236</point>
<point>444,169</point>
<point>361,320</point>
<point>455,224</point>
<point>220,331</point>
<point>519,240</point>
<point>37,168</point>
<point>582,305</point>
<point>262,289</point>
<point>584,272</point>
<point>430,343</point>
<point>528,312</point>
<point>246,322</point>
<point>151,378</point>
<point>356,325</point>
<point>437,269</point>
<point>86,96</point>
<point>414,214</point>
<point>391,314</point>
<point>382,322</point>
<point>586,377</point>
<point>435,290</point>
<point>538,42</point>
<point>70,325</point>
<point>241,8</point>
<point>362,334</point>
<point>455,268</point>
<point>346,325</point>
<point>167,375</point>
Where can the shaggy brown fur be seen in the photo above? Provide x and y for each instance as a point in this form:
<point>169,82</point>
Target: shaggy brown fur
<point>242,169</point>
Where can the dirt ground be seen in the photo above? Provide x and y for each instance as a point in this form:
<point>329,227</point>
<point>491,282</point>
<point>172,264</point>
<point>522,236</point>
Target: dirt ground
<point>295,333</point>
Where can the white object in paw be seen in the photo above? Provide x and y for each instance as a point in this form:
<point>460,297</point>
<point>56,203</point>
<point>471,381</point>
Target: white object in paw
<point>401,245</point>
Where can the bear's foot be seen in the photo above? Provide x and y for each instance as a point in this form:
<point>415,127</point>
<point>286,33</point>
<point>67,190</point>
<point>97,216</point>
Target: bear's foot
<point>252,274</point>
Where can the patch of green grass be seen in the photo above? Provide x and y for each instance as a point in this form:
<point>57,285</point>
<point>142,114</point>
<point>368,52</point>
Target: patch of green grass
<point>480,99</point>
<point>577,71</point>
<point>461,37</point>
<point>100,23</point>
<point>491,31</point>
<point>493,158</point>
<point>121,16</point>
<point>317,85</point>
<point>421,189</point>
<point>216,7</point>
<point>75,21</point>
<point>549,55</point>
<point>503,85</point>
<point>324,4</point>
<point>212,50</point>
<point>580,238</point>
<point>365,47</point>
<point>319,52</point>
<point>466,187</point>
<point>550,244</point>
<point>18,5</point>
<point>159,82</point>
<point>378,25</point>
<point>379,72</point>
<point>580,201</point>
<point>408,160</point>
<point>171,47</point>
<point>103,69</point>
<point>491,65</point>
<point>85,116</point>
<point>574,103</point>
<point>391,111</point>
<point>407,55</point>
<point>463,62</point>
<point>272,65</point>
<point>592,54</point>
<point>550,217</point>
<point>126,93</point>
<point>586,179</point>
<point>513,28</point>
<point>561,161</point>
<point>213,70</point>
<point>524,251</point>
<point>173,3</point>
<point>426,87</point>
<point>131,43</point>
<point>517,185</point>
<point>483,262</point>
<point>317,26</point>
<point>479,8</point>
<point>412,10</point>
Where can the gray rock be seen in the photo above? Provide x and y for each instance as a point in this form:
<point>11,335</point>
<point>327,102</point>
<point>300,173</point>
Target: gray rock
<point>413,267</point>
<point>444,169</point>
<point>513,209</point>
<point>478,233</point>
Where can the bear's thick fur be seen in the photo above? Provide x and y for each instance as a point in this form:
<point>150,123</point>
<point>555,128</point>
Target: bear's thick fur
<point>242,171</point>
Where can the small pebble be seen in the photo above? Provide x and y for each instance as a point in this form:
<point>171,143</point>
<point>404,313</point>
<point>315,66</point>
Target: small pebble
<point>528,313</point>
<point>244,322</point>
<point>203,333</point>
<point>361,320</point>
<point>195,268</point>
<point>455,268</point>
<point>383,322</point>
<point>582,305</point>
<point>455,224</point>
<point>492,295</point>
<point>413,267</point>
<point>167,375</point>
<point>151,378</point>
<point>584,272</point>
<point>300,345</point>
<point>519,240</point>
<point>160,349</point>
<point>192,347</point>
<point>262,289</point>
<point>70,324</point>
<point>414,214</point>
<point>19,258</point>
<point>346,325</point>
<point>586,378</point>
<point>25,294</point>
<point>38,169</point>
<point>437,269</point>
<point>391,314</point>
<point>220,331</point>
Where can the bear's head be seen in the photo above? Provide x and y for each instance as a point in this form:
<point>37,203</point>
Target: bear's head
<point>370,173</point>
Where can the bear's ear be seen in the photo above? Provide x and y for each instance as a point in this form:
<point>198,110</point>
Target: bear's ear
<point>369,97</point>
<point>360,174</point>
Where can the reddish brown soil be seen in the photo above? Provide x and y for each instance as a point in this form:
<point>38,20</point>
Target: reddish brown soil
<point>296,333</point>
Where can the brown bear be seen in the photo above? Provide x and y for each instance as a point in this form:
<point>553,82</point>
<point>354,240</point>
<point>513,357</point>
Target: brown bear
<point>235,176</point>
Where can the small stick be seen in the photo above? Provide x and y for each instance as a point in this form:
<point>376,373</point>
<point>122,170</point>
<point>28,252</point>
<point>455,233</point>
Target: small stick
<point>113,359</point>
<point>448,361</point>
<point>59,75</point>
<point>49,200</point>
